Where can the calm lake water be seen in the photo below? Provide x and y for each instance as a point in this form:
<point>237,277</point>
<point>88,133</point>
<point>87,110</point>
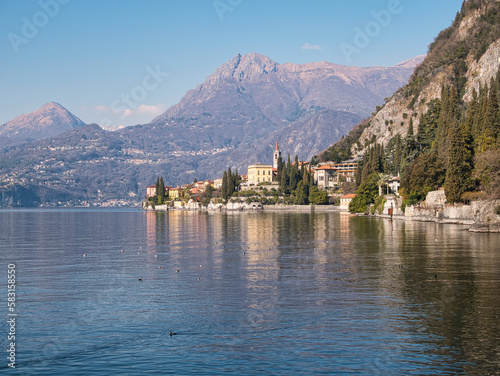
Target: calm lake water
<point>248,293</point>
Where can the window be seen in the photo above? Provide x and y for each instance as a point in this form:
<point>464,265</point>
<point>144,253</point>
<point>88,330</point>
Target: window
<point>258,172</point>
<point>258,180</point>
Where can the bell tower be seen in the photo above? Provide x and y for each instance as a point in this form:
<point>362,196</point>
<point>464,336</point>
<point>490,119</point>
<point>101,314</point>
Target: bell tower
<point>276,155</point>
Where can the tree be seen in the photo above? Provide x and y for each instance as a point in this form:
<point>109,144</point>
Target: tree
<point>318,196</point>
<point>458,174</point>
<point>224,189</point>
<point>161,192</point>
<point>301,194</point>
<point>487,167</point>
<point>410,128</point>
<point>365,195</point>
<point>423,175</point>
<point>157,186</point>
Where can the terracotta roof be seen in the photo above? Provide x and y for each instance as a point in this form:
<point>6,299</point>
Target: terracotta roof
<point>325,167</point>
<point>352,195</point>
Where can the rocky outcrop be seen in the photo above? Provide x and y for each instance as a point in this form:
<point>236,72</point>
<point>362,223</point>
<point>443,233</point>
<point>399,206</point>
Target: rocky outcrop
<point>440,70</point>
<point>481,215</point>
<point>482,71</point>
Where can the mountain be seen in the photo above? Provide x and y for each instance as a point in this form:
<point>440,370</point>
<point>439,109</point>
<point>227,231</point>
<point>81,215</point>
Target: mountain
<point>443,127</point>
<point>251,101</point>
<point>49,120</point>
<point>232,119</point>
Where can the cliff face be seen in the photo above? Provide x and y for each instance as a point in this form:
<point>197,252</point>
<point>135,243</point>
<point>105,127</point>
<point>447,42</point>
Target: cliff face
<point>465,56</point>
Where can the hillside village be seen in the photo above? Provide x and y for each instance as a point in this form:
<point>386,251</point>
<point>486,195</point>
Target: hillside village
<point>326,183</point>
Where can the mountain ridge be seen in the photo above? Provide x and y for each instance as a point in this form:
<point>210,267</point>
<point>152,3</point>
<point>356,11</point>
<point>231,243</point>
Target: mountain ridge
<point>231,119</point>
<point>49,120</point>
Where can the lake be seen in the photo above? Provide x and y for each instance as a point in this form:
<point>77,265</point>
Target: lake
<point>247,293</point>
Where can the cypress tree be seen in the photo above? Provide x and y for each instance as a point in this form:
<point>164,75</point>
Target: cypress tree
<point>410,128</point>
<point>279,169</point>
<point>398,154</point>
<point>161,193</point>
<point>491,121</point>
<point>230,183</point>
<point>223,189</point>
<point>459,169</point>
<point>157,186</point>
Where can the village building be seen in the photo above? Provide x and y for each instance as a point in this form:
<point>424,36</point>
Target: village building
<point>259,173</point>
<point>262,173</point>
<point>175,193</point>
<point>325,176</point>
<point>151,191</point>
<point>345,201</point>
<point>346,169</point>
<point>394,184</point>
<point>218,183</point>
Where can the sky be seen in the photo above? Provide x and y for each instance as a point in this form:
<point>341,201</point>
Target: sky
<point>123,62</point>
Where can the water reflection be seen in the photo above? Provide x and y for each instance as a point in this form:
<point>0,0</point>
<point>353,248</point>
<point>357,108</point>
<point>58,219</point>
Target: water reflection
<point>321,292</point>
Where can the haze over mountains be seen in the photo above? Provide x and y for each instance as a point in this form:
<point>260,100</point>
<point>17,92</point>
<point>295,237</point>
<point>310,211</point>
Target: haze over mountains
<point>232,119</point>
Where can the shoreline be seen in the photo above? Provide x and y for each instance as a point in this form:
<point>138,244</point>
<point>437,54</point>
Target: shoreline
<point>489,224</point>
<point>473,226</point>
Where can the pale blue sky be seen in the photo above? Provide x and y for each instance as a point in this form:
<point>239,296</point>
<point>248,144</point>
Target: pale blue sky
<point>125,61</point>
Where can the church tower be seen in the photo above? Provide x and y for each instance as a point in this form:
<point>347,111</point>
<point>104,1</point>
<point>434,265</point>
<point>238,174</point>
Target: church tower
<point>276,155</point>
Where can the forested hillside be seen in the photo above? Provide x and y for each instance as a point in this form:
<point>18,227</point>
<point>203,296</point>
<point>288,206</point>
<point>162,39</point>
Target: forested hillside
<point>445,136</point>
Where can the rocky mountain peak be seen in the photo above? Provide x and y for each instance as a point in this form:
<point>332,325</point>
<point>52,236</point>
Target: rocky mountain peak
<point>246,67</point>
<point>49,120</point>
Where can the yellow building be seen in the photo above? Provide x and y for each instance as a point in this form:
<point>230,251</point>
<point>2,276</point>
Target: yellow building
<point>175,193</point>
<point>260,173</point>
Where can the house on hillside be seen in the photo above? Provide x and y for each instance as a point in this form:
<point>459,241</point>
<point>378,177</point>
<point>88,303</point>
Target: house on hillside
<point>325,176</point>
<point>346,169</point>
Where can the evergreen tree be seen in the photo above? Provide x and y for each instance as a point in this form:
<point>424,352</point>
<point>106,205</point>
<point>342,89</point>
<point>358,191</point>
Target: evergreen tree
<point>366,194</point>
<point>359,173</point>
<point>317,196</point>
<point>279,170</point>
<point>410,128</point>
<point>398,154</point>
<point>224,189</point>
<point>301,194</point>
<point>237,180</point>
<point>491,121</point>
<point>449,119</point>
<point>157,186</point>
<point>161,193</point>
<point>459,170</point>
<point>231,180</point>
